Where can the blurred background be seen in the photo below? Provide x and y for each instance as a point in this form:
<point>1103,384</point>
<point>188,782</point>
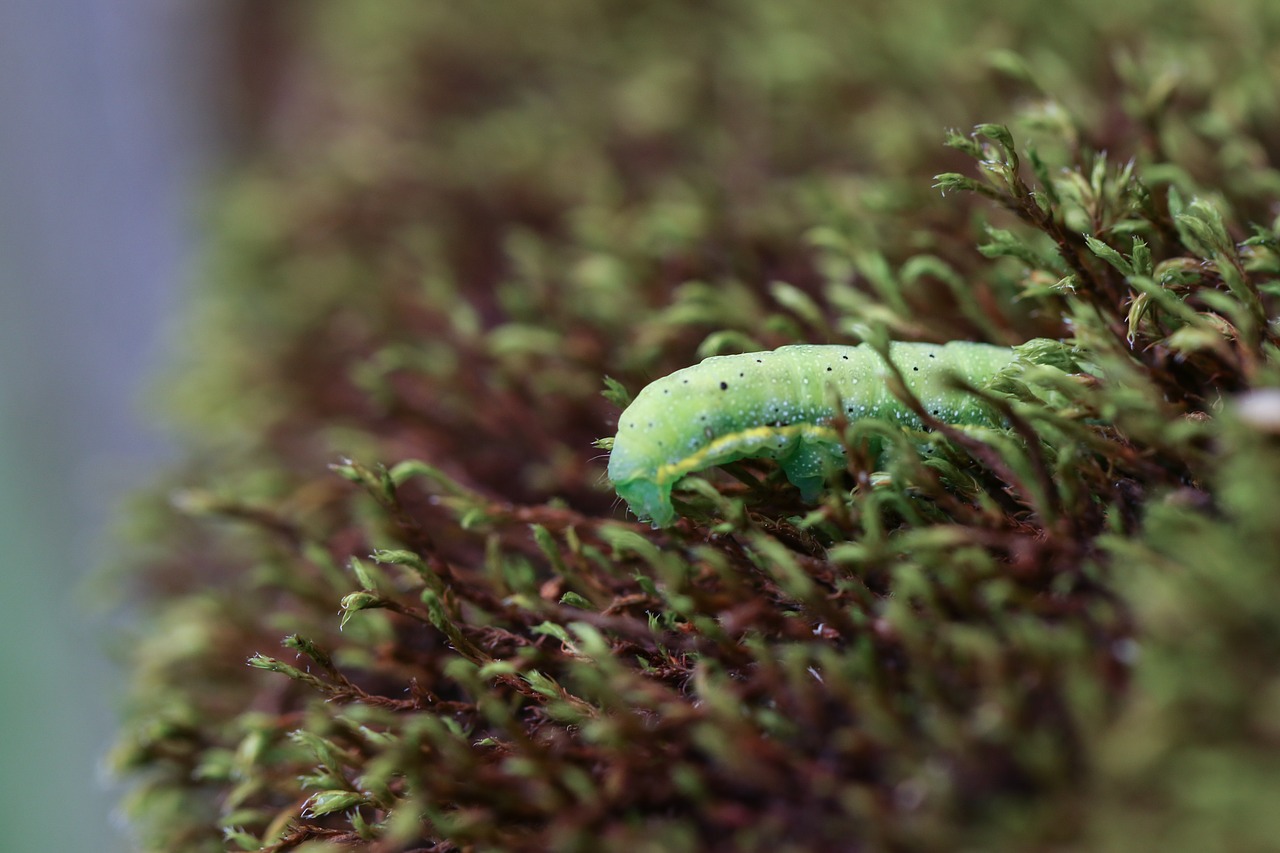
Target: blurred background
<point>118,116</point>
<point>113,114</point>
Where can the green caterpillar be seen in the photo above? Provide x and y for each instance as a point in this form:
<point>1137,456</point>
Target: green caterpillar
<point>779,405</point>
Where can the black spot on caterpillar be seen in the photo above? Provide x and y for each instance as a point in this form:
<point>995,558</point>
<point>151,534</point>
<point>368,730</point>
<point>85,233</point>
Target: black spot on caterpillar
<point>780,406</point>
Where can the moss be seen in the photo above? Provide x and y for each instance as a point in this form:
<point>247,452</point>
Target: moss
<point>1054,633</point>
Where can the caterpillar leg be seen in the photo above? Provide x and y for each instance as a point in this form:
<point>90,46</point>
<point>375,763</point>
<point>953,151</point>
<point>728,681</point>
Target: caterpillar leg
<point>808,467</point>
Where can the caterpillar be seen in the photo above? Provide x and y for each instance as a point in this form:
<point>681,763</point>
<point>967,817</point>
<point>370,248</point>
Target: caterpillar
<point>780,405</point>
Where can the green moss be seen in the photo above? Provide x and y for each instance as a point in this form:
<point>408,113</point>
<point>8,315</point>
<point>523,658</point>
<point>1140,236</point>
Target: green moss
<point>1054,633</point>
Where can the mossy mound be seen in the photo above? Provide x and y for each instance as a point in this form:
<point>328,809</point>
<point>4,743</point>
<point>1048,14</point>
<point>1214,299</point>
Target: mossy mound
<point>461,219</point>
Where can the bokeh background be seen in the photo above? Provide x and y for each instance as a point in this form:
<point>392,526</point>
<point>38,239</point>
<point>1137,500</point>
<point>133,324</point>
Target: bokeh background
<point>113,113</point>
<point>116,115</point>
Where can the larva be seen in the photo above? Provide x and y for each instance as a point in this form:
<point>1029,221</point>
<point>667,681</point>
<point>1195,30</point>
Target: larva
<point>779,405</point>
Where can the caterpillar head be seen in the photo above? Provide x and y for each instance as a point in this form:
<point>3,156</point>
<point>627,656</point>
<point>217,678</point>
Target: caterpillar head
<point>648,500</point>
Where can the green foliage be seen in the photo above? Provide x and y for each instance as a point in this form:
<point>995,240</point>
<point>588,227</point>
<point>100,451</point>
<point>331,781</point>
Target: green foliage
<point>1051,634</point>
